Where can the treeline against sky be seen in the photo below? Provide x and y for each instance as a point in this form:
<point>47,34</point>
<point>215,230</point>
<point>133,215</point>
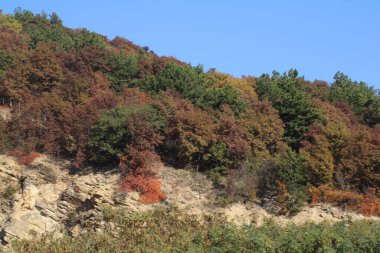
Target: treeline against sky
<point>104,102</point>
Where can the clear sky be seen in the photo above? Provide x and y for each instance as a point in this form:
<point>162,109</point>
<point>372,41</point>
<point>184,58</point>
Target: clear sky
<point>239,37</point>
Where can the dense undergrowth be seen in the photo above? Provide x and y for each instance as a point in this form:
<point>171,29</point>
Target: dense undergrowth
<point>167,230</point>
<point>78,95</point>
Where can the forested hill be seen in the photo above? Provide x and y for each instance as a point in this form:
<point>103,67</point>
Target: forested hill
<point>78,95</point>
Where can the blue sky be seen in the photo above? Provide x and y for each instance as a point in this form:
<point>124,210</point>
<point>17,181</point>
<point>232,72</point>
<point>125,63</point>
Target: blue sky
<point>239,37</point>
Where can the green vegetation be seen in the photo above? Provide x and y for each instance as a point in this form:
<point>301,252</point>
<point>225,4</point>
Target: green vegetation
<point>191,82</point>
<point>5,140</point>
<point>10,22</point>
<point>122,70</point>
<point>168,230</point>
<point>99,102</point>
<point>363,100</point>
<point>5,62</point>
<point>295,108</point>
<point>44,28</point>
<point>117,128</point>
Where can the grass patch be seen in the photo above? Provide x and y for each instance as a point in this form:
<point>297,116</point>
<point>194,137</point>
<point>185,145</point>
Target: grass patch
<point>168,230</point>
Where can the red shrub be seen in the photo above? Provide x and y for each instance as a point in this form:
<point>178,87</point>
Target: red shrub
<point>28,158</point>
<point>140,168</point>
<point>366,204</point>
<point>148,187</point>
<point>15,152</point>
<point>140,162</point>
<point>22,157</point>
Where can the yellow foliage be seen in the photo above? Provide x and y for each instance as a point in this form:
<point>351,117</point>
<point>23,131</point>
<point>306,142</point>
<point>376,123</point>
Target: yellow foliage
<point>244,86</point>
<point>10,22</point>
<point>318,158</point>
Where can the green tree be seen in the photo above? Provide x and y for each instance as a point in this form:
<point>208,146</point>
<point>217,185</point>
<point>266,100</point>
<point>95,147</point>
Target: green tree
<point>363,100</point>
<point>122,126</point>
<point>122,70</point>
<point>295,108</point>
<point>217,160</point>
<point>287,177</point>
<point>6,61</point>
<point>191,82</point>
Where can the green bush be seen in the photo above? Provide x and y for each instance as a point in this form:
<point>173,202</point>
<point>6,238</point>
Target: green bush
<point>115,129</point>
<point>217,159</point>
<point>285,171</point>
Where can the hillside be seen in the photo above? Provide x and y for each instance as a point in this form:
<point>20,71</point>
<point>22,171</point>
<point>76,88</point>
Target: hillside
<point>114,113</point>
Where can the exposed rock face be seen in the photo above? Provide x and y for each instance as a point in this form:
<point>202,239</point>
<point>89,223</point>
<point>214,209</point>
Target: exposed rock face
<point>29,205</point>
<point>187,190</point>
<point>44,198</point>
<point>5,113</point>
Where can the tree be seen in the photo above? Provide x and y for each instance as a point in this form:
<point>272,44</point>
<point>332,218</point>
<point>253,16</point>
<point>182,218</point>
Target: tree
<point>363,100</point>
<point>315,150</point>
<point>191,82</point>
<point>6,61</point>
<point>122,69</point>
<point>133,127</point>
<point>38,126</point>
<point>294,107</point>
<point>55,19</point>
<point>46,72</point>
<point>10,22</point>
<point>285,177</point>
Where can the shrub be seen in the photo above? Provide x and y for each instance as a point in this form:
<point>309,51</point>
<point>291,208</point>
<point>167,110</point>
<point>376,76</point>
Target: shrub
<point>148,187</point>
<point>28,158</point>
<point>5,140</point>
<point>22,157</point>
<point>367,204</point>
<point>137,127</point>
<point>286,178</point>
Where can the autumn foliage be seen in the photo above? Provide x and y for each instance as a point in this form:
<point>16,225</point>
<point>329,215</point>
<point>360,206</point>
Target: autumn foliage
<point>148,187</point>
<point>367,204</point>
<point>22,157</point>
<point>140,171</point>
<point>103,102</point>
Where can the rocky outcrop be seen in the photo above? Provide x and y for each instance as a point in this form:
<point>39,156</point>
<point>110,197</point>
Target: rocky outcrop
<point>29,198</point>
<point>5,113</point>
<point>45,198</point>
